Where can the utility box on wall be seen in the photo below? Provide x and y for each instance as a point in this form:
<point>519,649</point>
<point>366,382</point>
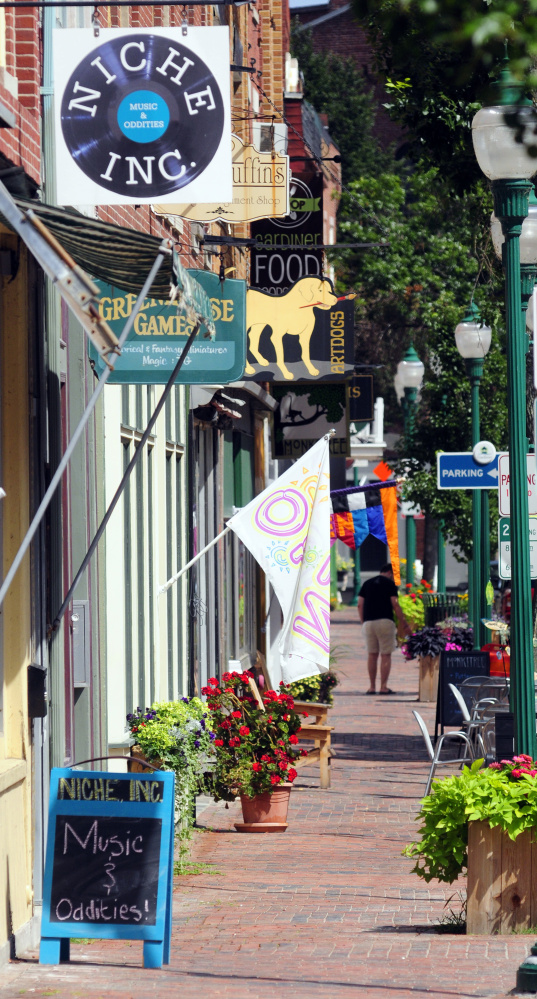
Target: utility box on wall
<point>80,629</point>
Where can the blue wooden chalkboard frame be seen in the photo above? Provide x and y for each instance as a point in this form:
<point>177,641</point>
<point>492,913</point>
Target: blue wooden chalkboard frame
<point>55,936</point>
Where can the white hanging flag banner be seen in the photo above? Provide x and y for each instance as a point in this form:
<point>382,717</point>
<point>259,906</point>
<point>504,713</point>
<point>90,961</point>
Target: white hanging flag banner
<point>287,530</point>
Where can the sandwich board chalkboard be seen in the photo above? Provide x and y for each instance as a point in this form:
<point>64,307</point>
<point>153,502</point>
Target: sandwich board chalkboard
<point>454,668</point>
<point>109,861</point>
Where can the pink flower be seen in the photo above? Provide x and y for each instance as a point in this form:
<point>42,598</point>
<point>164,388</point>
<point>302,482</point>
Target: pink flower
<point>516,773</point>
<point>494,766</point>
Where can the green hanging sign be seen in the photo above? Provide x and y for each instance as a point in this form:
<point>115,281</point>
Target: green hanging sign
<point>160,332</point>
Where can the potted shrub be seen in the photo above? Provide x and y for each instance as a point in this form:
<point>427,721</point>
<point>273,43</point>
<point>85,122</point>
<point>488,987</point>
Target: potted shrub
<point>315,689</point>
<point>255,746</point>
<point>426,645</point>
<point>178,736</point>
<point>484,821</point>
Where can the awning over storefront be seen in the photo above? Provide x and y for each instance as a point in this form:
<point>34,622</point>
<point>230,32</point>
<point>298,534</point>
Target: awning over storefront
<point>119,256</point>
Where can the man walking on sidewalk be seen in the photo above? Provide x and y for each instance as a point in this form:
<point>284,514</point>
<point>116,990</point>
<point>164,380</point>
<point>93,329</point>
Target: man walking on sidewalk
<point>377,603</point>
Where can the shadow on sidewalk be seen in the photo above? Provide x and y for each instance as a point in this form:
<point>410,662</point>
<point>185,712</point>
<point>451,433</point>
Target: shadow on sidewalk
<point>379,748</point>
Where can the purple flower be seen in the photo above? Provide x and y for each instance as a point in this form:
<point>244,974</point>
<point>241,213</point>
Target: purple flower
<point>197,743</point>
<point>184,700</point>
<point>211,735</point>
<point>130,717</point>
<point>202,722</point>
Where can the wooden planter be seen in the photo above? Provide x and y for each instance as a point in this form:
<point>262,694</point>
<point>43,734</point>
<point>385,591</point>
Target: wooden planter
<point>428,682</point>
<point>502,880</point>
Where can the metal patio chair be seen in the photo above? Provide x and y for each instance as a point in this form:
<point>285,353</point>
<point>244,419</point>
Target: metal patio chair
<point>434,754</point>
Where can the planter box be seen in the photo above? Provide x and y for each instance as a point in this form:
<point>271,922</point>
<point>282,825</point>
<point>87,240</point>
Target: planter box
<point>428,680</point>
<point>502,880</point>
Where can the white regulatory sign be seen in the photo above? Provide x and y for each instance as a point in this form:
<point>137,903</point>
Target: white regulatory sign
<point>504,507</point>
<point>504,547</point>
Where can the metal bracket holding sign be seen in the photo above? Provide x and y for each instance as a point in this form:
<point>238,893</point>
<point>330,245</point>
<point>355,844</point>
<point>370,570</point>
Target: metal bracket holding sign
<point>504,547</point>
<point>504,506</point>
<point>109,862</point>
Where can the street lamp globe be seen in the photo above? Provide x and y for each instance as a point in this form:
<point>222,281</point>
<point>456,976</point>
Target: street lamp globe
<point>471,336</point>
<point>499,154</point>
<point>410,371</point>
<point>528,236</point>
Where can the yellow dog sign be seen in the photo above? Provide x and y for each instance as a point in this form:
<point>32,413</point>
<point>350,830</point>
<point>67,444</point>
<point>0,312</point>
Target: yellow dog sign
<point>307,324</point>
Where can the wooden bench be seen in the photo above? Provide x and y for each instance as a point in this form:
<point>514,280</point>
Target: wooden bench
<point>317,731</point>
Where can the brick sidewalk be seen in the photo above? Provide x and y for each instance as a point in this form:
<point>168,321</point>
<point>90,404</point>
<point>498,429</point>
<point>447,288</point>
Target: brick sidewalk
<point>332,895</point>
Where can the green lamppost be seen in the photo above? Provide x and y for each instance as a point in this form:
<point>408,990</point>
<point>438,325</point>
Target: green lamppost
<point>473,343</point>
<point>503,157</point>
<point>409,378</point>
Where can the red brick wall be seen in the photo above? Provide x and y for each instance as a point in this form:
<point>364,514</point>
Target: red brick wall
<point>344,36</point>
<point>21,145</point>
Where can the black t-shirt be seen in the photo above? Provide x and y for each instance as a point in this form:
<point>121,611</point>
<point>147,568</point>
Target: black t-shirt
<point>377,593</point>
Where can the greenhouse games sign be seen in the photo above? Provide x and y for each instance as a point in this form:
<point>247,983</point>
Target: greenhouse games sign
<point>161,330</point>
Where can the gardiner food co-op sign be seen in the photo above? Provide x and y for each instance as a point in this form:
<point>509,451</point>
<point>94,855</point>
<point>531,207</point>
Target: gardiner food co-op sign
<point>160,332</point>
<point>503,485</point>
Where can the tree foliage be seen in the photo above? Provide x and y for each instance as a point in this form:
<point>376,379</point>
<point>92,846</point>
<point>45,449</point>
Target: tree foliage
<point>326,78</point>
<point>416,289</point>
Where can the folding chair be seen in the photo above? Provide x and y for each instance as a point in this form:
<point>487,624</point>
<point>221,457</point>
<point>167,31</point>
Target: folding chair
<point>473,726</point>
<point>434,754</point>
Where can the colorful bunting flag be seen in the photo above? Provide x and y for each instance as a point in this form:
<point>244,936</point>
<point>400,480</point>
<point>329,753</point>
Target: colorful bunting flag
<point>371,511</point>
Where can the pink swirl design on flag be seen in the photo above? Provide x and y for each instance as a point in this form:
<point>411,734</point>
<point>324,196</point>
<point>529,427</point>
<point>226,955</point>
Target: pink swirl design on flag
<point>315,627</point>
<point>282,522</point>
<point>297,553</point>
<point>323,576</point>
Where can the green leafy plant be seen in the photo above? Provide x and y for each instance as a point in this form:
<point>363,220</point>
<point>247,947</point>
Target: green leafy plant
<point>317,689</point>
<point>344,564</point>
<point>178,736</point>
<point>413,610</point>
<point>502,794</point>
<point>255,746</point>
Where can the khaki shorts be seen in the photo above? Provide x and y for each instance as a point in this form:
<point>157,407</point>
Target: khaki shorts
<point>380,636</point>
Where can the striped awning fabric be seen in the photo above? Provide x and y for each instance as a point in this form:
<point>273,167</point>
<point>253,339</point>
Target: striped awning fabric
<point>119,256</point>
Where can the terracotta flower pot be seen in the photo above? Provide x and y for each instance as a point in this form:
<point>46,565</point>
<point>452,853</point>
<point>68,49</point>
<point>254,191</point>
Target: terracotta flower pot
<point>266,812</point>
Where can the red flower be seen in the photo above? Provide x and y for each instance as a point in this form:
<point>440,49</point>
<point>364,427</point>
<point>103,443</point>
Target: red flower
<point>291,774</point>
<point>257,767</point>
<point>303,752</point>
<point>270,718</point>
<point>236,714</point>
<point>275,779</point>
<point>265,758</point>
<point>286,717</point>
<point>282,765</point>
<point>304,715</point>
<point>219,742</point>
<point>281,742</point>
<point>226,677</point>
<point>293,739</point>
<point>206,690</point>
<point>134,729</point>
<point>234,741</point>
<point>244,730</point>
<point>228,690</point>
<point>213,681</point>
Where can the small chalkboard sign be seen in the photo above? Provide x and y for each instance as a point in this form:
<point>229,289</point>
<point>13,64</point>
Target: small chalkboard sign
<point>109,861</point>
<point>454,668</point>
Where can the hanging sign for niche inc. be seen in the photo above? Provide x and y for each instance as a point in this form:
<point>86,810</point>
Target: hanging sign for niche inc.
<point>142,115</point>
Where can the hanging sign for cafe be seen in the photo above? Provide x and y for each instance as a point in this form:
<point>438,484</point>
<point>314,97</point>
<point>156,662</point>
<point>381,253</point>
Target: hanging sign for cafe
<point>260,190</point>
<point>307,333</point>
<point>160,332</point>
<point>142,115</point>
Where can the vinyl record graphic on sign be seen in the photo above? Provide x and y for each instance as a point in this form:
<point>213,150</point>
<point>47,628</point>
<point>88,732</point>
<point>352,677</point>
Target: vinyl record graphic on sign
<point>142,116</point>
